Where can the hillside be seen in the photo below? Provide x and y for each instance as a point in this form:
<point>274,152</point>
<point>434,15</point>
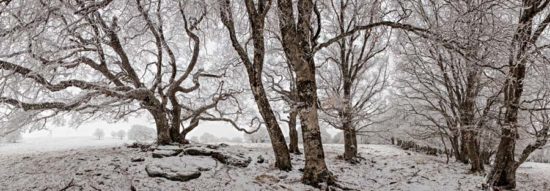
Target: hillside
<point>111,168</point>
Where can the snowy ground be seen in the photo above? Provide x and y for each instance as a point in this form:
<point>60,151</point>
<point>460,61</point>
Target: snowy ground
<point>386,168</point>
<point>46,144</point>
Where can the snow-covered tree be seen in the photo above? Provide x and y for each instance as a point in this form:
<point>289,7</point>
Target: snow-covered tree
<point>121,134</point>
<point>141,133</point>
<point>111,59</point>
<point>99,133</point>
<point>260,136</point>
<point>13,137</point>
<point>208,138</point>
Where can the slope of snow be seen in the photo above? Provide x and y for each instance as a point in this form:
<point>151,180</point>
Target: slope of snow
<point>385,168</point>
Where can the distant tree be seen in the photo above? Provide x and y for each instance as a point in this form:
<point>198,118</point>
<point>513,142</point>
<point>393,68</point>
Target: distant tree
<point>141,133</point>
<point>113,134</point>
<point>261,136</point>
<point>99,133</point>
<point>208,138</point>
<point>121,134</point>
<point>13,137</point>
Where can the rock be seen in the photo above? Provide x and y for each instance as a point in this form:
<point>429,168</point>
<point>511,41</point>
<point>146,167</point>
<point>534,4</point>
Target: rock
<point>181,175</point>
<point>169,147</point>
<point>202,169</point>
<point>223,145</point>
<point>260,159</point>
<point>138,159</point>
<point>165,153</point>
<point>223,157</point>
<point>212,146</point>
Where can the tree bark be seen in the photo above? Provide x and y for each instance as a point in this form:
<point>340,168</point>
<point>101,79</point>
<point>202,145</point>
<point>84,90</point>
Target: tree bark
<point>503,174</point>
<point>296,41</point>
<point>162,125</point>
<point>350,144</point>
<point>293,133</point>
<point>282,155</point>
<point>315,170</point>
<point>463,157</point>
<point>256,17</point>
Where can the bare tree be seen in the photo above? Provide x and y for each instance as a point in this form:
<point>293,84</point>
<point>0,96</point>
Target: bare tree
<point>95,57</point>
<point>256,14</point>
<point>353,97</point>
<point>99,133</point>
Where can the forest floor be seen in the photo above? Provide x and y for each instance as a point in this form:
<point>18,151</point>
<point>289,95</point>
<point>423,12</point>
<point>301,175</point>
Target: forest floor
<point>111,168</point>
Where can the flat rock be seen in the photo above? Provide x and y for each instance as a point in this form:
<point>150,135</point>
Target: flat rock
<point>165,153</point>
<point>237,160</point>
<point>181,174</point>
<point>169,147</point>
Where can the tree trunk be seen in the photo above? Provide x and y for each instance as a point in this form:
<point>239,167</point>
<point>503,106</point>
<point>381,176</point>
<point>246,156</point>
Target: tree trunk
<point>296,41</point>
<point>455,144</point>
<point>293,133</point>
<point>463,157</point>
<point>503,174</point>
<point>473,152</point>
<point>163,127</point>
<point>350,144</point>
<point>282,155</point>
<point>315,170</point>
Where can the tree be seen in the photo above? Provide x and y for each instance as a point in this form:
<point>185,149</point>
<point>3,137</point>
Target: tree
<point>523,51</point>
<point>208,138</point>
<point>99,133</point>
<point>13,137</point>
<point>278,80</point>
<point>257,13</point>
<point>353,97</point>
<point>141,133</point>
<point>261,136</point>
<point>121,134</point>
<point>95,57</point>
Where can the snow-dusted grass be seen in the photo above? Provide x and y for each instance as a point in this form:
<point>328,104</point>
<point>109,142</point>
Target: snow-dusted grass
<point>47,144</point>
<point>385,168</point>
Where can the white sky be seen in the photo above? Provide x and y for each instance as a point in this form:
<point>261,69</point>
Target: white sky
<point>218,129</point>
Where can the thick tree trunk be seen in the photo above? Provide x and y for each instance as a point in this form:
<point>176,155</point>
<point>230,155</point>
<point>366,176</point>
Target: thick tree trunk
<point>296,40</point>
<point>162,125</point>
<point>503,175</point>
<point>315,170</point>
<point>293,133</point>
